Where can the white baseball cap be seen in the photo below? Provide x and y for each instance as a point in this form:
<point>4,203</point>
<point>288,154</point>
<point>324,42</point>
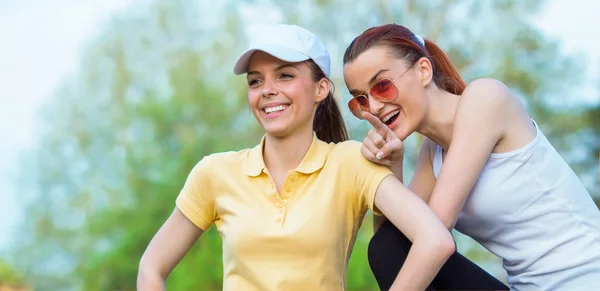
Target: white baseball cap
<point>286,42</point>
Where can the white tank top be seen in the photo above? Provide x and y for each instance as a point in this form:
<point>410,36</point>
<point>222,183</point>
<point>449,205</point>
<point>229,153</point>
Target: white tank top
<point>529,208</point>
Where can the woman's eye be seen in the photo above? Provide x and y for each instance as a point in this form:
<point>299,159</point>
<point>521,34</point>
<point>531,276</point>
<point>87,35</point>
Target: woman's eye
<point>286,76</point>
<point>252,82</point>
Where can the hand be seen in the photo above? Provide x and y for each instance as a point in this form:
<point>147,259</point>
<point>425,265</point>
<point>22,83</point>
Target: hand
<point>381,145</point>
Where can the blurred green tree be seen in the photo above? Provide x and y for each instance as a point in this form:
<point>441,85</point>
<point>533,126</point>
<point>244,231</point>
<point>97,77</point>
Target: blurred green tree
<point>155,94</point>
<point>150,101</point>
<point>9,277</point>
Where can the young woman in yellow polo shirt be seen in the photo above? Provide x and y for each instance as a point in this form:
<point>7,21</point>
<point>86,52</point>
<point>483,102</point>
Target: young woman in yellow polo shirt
<point>289,209</point>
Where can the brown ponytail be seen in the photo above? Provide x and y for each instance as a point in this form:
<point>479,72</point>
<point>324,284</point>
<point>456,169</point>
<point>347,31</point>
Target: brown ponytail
<point>404,44</point>
<point>448,77</point>
<point>328,123</point>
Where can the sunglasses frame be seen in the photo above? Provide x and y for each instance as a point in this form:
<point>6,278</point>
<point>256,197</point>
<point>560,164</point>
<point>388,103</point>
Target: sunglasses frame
<point>366,95</point>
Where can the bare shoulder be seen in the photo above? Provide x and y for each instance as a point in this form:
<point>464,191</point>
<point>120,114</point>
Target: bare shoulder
<point>487,105</point>
<point>489,97</point>
<point>488,90</point>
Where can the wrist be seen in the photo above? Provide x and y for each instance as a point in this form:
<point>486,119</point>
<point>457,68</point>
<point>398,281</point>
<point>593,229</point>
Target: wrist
<point>396,169</point>
<point>397,164</point>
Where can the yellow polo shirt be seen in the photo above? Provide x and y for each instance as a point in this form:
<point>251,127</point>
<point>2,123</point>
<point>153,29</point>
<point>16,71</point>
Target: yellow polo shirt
<point>300,239</point>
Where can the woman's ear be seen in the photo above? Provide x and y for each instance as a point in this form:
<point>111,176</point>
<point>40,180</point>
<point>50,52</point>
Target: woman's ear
<point>425,69</point>
<point>323,88</point>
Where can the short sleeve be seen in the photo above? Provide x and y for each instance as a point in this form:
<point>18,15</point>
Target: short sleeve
<point>365,175</point>
<point>196,199</point>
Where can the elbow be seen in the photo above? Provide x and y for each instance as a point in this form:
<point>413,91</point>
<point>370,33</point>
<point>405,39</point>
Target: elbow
<point>447,246</point>
<point>437,248</point>
<point>442,244</point>
<point>445,241</point>
<point>149,276</point>
<point>144,274</point>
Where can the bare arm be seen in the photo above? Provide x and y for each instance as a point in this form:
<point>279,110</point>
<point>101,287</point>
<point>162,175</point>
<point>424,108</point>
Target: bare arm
<point>422,182</point>
<point>480,122</point>
<point>167,248</point>
<point>432,242</point>
<point>378,220</point>
<point>382,146</point>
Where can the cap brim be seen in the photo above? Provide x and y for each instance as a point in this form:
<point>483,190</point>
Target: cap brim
<point>282,53</point>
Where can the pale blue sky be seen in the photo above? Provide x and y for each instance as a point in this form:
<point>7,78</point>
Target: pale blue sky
<point>41,42</point>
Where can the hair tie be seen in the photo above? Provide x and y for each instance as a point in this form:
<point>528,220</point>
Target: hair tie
<point>420,39</point>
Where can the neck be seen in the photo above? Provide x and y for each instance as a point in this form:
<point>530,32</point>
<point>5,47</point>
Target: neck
<point>439,120</point>
<point>286,153</point>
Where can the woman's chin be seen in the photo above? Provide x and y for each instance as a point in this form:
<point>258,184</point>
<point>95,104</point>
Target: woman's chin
<point>276,130</point>
<point>401,132</point>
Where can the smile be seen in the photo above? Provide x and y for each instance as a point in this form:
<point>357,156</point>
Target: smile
<point>275,109</point>
<point>388,119</point>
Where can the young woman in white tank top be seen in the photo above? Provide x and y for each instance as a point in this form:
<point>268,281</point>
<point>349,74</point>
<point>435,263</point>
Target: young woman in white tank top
<point>485,168</point>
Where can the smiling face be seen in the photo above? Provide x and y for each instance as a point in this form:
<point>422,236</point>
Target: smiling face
<point>282,95</point>
<point>400,86</point>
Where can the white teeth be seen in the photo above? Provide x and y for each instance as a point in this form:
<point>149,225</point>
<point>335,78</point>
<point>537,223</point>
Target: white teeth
<point>387,117</point>
<point>275,109</point>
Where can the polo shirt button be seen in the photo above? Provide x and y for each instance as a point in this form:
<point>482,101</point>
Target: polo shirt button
<point>278,219</point>
<point>284,202</point>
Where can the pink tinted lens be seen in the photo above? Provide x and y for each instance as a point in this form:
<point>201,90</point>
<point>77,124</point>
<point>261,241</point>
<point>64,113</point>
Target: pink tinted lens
<point>358,105</point>
<point>384,90</point>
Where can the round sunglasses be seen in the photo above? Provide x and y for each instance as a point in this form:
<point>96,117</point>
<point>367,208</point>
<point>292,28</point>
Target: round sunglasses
<point>384,90</point>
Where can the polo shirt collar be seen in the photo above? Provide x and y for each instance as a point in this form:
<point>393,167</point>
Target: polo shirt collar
<point>313,161</point>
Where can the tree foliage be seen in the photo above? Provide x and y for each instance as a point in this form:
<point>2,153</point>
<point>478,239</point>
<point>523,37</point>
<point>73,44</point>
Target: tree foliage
<point>155,93</point>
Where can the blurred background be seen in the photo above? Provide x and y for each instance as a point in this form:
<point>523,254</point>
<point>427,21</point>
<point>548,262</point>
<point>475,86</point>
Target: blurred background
<point>105,106</point>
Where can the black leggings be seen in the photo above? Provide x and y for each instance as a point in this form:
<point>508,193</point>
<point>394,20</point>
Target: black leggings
<point>389,248</point>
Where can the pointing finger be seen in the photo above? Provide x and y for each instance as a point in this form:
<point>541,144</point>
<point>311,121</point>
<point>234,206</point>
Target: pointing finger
<point>374,121</point>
